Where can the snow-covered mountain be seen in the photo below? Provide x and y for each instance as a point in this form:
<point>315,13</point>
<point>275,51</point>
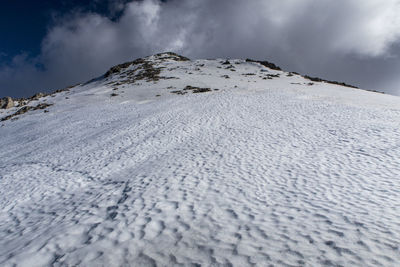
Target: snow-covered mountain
<point>165,161</point>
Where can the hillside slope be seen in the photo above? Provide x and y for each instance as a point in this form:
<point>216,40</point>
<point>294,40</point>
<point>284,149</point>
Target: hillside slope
<point>165,161</point>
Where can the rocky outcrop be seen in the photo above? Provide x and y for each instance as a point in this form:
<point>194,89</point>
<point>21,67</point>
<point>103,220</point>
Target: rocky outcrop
<point>6,103</point>
<point>171,56</point>
<point>37,96</point>
<point>162,56</point>
<point>26,109</point>
<point>316,79</point>
<point>265,64</point>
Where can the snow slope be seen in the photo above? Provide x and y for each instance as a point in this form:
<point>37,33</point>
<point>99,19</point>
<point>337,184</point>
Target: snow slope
<point>265,170</point>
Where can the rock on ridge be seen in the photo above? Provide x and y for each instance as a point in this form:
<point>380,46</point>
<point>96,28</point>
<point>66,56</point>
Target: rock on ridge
<point>161,56</point>
<point>6,102</point>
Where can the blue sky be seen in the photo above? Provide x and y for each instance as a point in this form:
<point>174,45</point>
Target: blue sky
<point>24,23</point>
<point>50,44</point>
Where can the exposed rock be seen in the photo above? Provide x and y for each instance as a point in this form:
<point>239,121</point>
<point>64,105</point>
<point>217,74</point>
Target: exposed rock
<point>178,92</point>
<point>37,96</point>
<point>22,102</point>
<point>171,55</point>
<point>146,63</point>
<point>273,76</point>
<point>196,90</point>
<point>265,64</point>
<point>118,68</point>
<point>26,109</point>
<point>6,103</point>
<point>316,79</point>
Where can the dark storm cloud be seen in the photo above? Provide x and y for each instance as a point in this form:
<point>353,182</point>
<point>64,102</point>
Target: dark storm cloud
<point>351,40</point>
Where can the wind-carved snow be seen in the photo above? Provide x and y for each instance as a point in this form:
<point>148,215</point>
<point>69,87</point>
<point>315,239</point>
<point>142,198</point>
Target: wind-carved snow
<point>262,171</point>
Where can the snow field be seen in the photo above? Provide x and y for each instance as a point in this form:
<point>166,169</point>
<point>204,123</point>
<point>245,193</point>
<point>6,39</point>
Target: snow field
<point>268,172</point>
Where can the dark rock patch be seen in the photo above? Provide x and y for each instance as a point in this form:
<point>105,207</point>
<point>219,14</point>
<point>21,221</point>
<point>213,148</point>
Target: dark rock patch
<point>273,76</point>
<point>143,70</point>
<point>38,96</point>
<point>26,109</point>
<point>6,103</point>
<point>24,101</point>
<point>201,90</point>
<point>196,90</point>
<point>179,92</point>
<point>316,79</point>
<point>375,91</point>
<point>172,55</point>
<point>118,68</point>
<point>265,64</point>
<point>146,64</point>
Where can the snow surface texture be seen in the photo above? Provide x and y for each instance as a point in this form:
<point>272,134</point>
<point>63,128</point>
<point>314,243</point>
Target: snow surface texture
<point>263,171</point>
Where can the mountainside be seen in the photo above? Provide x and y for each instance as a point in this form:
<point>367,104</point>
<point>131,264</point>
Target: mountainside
<point>165,161</point>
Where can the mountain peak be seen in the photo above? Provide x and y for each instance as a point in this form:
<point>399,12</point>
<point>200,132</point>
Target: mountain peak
<point>167,161</point>
<point>154,58</point>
